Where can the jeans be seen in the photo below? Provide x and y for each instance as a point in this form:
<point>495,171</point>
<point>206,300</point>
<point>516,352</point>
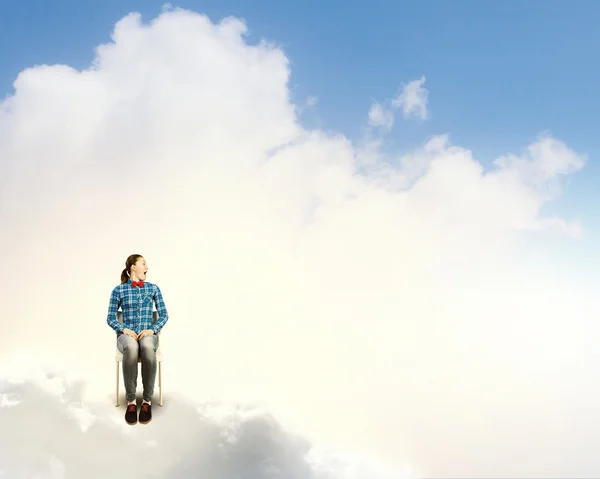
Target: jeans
<point>146,348</point>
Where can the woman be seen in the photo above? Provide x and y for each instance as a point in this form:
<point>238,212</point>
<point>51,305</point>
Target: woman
<point>137,335</point>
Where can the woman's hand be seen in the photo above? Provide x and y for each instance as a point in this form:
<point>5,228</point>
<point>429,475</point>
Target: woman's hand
<point>129,332</point>
<point>145,332</point>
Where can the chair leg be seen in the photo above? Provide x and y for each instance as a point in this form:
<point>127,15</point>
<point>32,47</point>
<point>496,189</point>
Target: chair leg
<point>160,402</point>
<point>117,383</point>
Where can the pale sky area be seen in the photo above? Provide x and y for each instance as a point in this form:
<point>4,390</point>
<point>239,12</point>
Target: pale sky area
<point>341,306</point>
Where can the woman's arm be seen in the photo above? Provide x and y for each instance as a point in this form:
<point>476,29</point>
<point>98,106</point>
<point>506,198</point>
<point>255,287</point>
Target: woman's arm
<point>113,307</point>
<point>163,316</point>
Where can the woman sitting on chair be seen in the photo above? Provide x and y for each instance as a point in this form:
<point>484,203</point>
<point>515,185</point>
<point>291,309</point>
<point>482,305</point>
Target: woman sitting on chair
<point>137,336</point>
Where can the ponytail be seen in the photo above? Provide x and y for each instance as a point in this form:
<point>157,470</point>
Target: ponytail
<point>124,276</point>
<point>128,264</point>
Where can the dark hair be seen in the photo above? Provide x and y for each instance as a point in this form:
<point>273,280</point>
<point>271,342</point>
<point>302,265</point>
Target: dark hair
<point>131,260</point>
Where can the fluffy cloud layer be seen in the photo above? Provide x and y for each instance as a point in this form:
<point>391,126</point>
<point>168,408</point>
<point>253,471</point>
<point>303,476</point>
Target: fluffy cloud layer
<point>398,308</point>
<point>72,438</point>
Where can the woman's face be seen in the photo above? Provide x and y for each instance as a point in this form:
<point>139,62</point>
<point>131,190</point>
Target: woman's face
<point>140,268</point>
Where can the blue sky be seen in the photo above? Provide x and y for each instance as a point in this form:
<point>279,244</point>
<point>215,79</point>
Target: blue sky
<point>498,73</point>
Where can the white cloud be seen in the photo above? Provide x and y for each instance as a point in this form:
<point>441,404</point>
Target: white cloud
<point>312,100</point>
<point>544,160</point>
<point>405,309</point>
<point>183,440</point>
<point>413,99</point>
<point>380,116</point>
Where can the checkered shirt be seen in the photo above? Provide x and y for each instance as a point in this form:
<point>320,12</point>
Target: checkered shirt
<point>136,305</point>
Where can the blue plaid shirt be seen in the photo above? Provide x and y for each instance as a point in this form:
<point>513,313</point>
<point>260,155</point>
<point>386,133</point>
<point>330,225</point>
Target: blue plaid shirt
<point>136,305</point>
